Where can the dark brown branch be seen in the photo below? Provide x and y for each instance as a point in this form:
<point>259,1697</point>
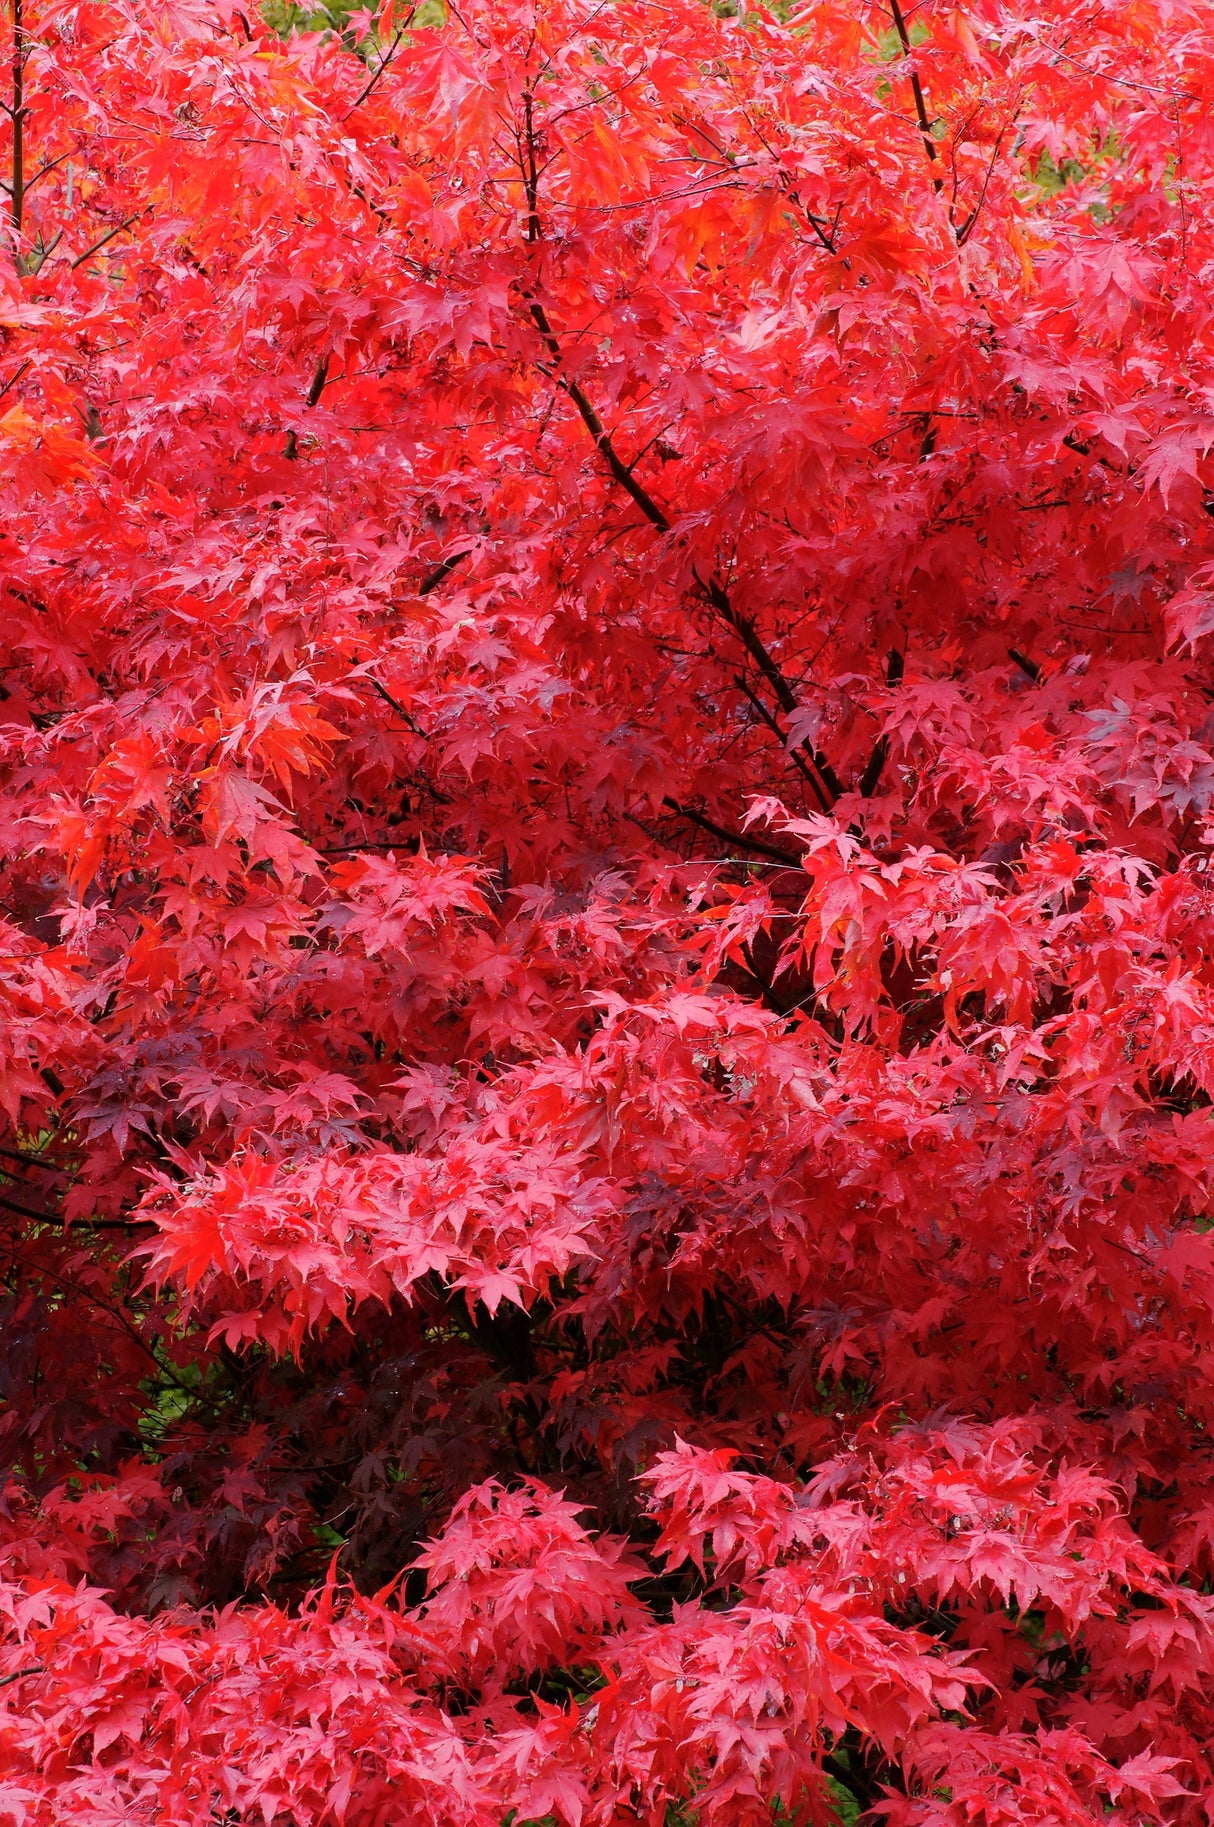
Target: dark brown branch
<point>531,176</point>
<point>27,1211</point>
<point>786,698</point>
<point>76,1287</point>
<point>773,723</point>
<point>17,115</point>
<point>830,779</point>
<point>47,165</point>
<point>747,633</point>
<point>712,589</point>
<point>399,708</point>
<point>110,1224</point>
<point>12,382</point>
<point>376,843</point>
<point>366,89</point>
<point>1027,666</point>
<point>19,1674</point>
<point>443,799</point>
<point>89,1224</point>
<point>827,240</point>
<point>37,259</point>
<point>98,245</point>
<point>14,1154</point>
<point>590,418</point>
<point>925,126</point>
<point>971,221</point>
<point>732,837</point>
<point>594,425</point>
<point>319,380</point>
<point>434,578</point>
<point>870,780</point>
<point>622,472</point>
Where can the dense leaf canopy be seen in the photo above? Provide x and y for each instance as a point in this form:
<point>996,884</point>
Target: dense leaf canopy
<point>606,941</point>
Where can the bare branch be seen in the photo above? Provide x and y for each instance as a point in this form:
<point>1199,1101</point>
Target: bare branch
<point>1029,667</point>
<point>732,837</point>
<point>925,126</point>
<point>319,380</point>
<point>434,578</point>
<point>98,245</point>
<point>799,761</point>
<point>363,93</point>
<point>870,780</point>
<point>12,381</point>
<point>399,708</point>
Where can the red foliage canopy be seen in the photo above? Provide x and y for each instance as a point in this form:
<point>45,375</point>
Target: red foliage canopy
<point>607,984</point>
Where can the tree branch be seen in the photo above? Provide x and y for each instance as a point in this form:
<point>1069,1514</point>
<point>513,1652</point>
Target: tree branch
<point>12,381</point>
<point>714,592</point>
<point>971,221</point>
<point>773,723</point>
<point>17,114</point>
<point>98,245</point>
<point>14,1154</point>
<point>594,425</point>
<point>443,569</point>
<point>925,126</point>
<point>361,97</point>
<point>870,780</point>
<point>27,1211</point>
<point>319,380</point>
<point>1029,667</point>
<point>399,708</point>
<point>732,837</point>
<point>443,799</point>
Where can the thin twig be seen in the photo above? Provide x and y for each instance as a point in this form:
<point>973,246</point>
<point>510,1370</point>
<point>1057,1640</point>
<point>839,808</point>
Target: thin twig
<point>47,165</point>
<point>732,837</point>
<point>713,590</point>
<point>434,578</point>
<point>870,780</point>
<point>443,799</point>
<point>14,1154</point>
<point>15,378</point>
<point>361,97</point>
<point>971,221</point>
<point>925,126</point>
<point>75,1287</point>
<point>798,759</point>
<point>398,707</point>
<point>98,245</point>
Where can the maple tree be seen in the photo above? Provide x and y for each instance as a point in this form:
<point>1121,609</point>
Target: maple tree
<point>607,999</point>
